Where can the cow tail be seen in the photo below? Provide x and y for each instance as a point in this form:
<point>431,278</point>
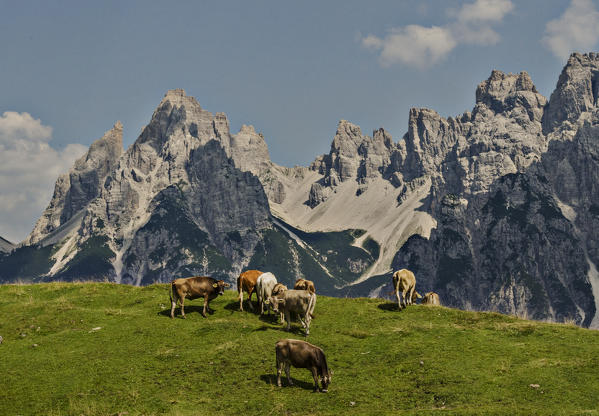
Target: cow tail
<point>239,287</point>
<point>311,305</point>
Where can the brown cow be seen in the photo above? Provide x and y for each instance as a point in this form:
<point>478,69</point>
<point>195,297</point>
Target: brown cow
<point>302,354</point>
<point>431,298</point>
<point>405,281</point>
<point>303,284</point>
<point>193,288</point>
<point>246,282</point>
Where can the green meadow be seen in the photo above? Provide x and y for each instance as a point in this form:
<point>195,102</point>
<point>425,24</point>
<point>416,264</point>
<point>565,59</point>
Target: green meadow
<point>107,349</point>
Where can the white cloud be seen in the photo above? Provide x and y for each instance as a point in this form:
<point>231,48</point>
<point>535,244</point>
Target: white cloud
<point>485,11</point>
<point>29,167</point>
<point>413,45</point>
<point>422,46</point>
<point>575,30</point>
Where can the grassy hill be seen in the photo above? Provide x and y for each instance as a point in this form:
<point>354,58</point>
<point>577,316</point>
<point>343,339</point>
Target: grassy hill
<point>106,349</point>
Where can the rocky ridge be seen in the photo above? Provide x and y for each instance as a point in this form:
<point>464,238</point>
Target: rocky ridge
<point>494,209</point>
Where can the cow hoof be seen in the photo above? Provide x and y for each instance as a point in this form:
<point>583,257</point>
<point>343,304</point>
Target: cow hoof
<point>184,317</point>
<point>324,390</point>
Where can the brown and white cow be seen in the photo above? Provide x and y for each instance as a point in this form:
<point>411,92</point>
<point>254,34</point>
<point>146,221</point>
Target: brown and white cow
<point>431,298</point>
<point>300,302</point>
<point>246,282</point>
<point>405,281</point>
<point>303,284</point>
<point>302,354</point>
<point>193,288</point>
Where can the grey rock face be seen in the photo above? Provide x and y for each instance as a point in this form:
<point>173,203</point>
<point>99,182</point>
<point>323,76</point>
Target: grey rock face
<point>6,246</point>
<point>73,191</point>
<point>576,92</point>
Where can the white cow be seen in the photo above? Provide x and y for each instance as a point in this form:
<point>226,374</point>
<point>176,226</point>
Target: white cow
<point>264,286</point>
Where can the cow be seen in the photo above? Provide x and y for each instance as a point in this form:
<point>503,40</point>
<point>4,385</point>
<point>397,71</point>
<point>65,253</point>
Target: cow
<point>247,282</point>
<point>193,288</point>
<point>431,298</point>
<point>303,284</point>
<point>302,354</point>
<point>264,286</point>
<point>405,281</point>
<point>300,302</point>
<point>277,290</point>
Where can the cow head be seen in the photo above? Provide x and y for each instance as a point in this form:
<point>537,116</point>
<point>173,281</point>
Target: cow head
<point>275,302</point>
<point>278,289</point>
<point>325,380</point>
<point>220,286</point>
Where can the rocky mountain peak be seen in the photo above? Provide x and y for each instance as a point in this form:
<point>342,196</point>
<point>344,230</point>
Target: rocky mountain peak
<point>84,182</point>
<point>502,92</point>
<point>577,91</point>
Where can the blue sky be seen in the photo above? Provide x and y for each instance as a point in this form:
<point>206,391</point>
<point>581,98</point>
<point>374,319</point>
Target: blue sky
<point>70,69</point>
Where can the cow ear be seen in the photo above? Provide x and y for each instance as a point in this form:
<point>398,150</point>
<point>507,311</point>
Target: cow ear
<point>215,285</point>
<point>227,285</point>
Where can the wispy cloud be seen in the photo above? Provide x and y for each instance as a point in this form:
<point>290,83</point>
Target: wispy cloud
<point>29,166</point>
<point>422,46</point>
<point>576,29</point>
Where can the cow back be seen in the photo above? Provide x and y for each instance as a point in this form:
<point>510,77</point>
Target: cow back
<point>247,280</point>
<point>196,286</point>
<point>297,300</point>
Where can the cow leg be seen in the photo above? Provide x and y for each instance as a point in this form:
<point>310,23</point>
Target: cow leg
<point>398,299</point>
<point>287,366</point>
<point>288,319</point>
<point>182,299</point>
<point>173,306</point>
<point>250,299</point>
<point>205,306</point>
<point>279,371</point>
<point>315,376</point>
<point>410,294</point>
<point>241,300</point>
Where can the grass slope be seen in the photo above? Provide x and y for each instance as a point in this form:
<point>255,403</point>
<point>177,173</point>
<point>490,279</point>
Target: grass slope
<point>423,360</point>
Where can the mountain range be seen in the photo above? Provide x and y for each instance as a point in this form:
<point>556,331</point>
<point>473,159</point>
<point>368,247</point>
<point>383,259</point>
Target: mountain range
<point>495,209</point>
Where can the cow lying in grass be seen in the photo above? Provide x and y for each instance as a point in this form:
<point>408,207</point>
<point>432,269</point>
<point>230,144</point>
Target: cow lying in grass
<point>405,281</point>
<point>302,354</point>
<point>431,298</point>
<point>193,288</point>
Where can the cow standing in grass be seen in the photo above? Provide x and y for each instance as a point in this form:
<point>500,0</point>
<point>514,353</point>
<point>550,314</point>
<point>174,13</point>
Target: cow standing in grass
<point>193,288</point>
<point>264,286</point>
<point>300,302</point>
<point>302,354</point>
<point>405,281</point>
<point>246,282</point>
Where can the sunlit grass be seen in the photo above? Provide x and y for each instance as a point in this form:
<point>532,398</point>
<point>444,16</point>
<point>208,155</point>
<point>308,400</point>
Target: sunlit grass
<point>105,349</point>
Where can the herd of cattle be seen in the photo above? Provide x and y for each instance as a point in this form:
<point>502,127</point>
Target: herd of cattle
<point>300,301</point>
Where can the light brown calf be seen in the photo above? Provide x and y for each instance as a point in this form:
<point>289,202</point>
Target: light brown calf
<point>431,298</point>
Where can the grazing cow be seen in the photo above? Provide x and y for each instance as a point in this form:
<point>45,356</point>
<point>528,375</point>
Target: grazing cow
<point>193,288</point>
<point>277,290</point>
<point>405,281</point>
<point>303,284</point>
<point>264,286</point>
<point>302,354</point>
<point>300,302</point>
<point>247,282</point>
<point>431,298</point>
